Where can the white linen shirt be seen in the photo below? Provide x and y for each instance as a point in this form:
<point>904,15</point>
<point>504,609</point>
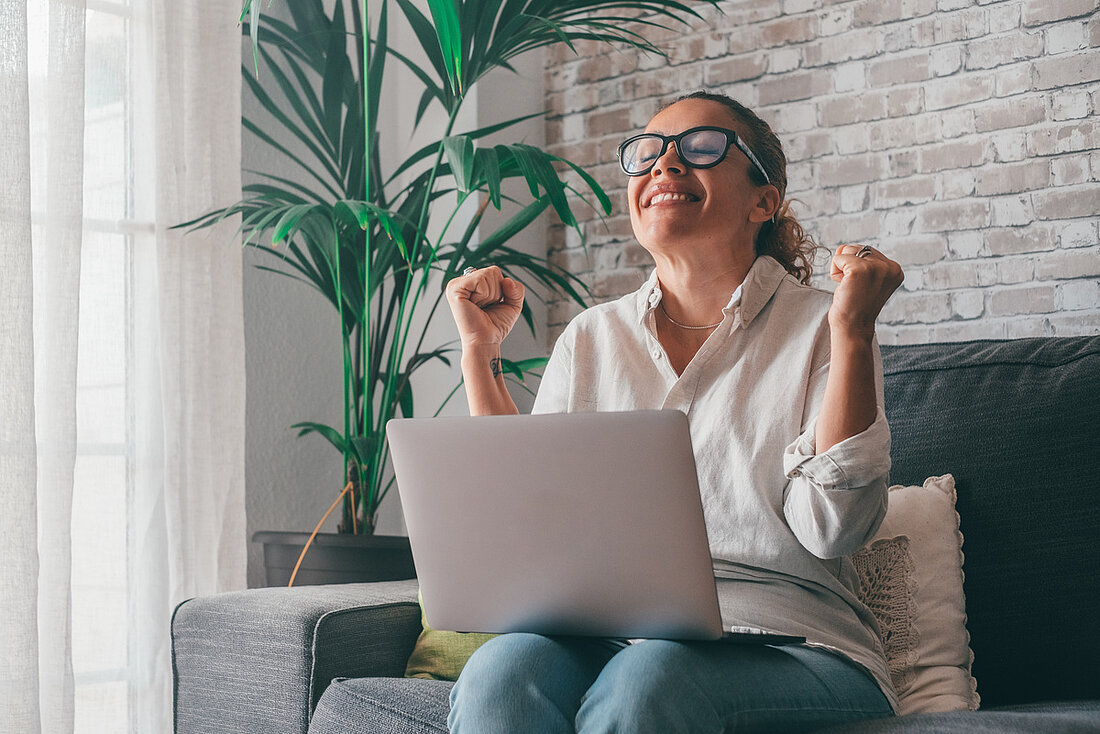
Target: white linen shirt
<point>780,517</point>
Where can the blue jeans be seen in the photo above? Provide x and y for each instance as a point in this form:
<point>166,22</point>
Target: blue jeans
<point>533,684</point>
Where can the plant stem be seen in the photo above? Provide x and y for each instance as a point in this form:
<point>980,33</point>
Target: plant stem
<point>367,489</point>
<point>398,343</point>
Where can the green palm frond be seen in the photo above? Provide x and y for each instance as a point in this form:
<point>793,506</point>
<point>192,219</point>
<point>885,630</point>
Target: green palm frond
<point>334,219</point>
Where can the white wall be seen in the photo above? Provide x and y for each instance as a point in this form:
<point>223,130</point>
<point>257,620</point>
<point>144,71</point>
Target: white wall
<point>292,337</point>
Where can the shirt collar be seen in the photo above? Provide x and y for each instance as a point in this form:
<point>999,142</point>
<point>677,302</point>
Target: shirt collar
<point>759,286</point>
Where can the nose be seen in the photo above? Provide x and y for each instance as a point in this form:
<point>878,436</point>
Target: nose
<point>669,163</point>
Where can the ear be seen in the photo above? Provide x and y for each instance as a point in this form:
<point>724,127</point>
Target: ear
<point>767,204</point>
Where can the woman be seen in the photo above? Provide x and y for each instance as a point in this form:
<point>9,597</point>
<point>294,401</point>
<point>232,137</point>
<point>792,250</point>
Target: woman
<point>782,386</point>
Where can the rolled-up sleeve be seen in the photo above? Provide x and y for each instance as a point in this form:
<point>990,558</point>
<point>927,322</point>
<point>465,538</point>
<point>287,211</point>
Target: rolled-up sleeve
<point>835,500</point>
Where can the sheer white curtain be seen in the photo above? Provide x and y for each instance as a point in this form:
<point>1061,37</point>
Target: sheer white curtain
<point>184,399</point>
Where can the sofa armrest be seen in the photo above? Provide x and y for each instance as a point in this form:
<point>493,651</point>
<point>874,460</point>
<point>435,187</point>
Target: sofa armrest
<point>258,660</point>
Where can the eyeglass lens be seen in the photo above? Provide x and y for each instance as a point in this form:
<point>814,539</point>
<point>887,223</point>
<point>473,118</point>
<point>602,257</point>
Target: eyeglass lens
<point>700,148</point>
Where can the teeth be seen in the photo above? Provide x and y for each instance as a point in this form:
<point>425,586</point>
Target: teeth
<point>670,197</point>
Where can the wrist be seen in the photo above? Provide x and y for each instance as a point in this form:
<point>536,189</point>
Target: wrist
<point>849,338</point>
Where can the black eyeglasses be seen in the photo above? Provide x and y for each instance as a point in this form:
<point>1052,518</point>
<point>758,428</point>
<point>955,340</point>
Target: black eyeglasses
<point>699,147</point>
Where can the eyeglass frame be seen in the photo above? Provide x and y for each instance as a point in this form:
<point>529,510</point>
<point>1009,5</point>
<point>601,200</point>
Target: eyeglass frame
<point>731,138</point>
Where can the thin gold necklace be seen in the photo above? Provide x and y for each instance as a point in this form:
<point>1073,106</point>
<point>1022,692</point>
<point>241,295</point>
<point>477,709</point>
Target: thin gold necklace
<point>686,326</point>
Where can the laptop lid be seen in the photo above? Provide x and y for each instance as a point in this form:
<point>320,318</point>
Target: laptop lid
<point>568,524</point>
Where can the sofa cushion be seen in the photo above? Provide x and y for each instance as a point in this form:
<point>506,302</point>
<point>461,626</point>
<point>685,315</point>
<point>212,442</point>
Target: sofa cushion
<point>1016,422</point>
<point>1077,717</point>
<point>372,705</point>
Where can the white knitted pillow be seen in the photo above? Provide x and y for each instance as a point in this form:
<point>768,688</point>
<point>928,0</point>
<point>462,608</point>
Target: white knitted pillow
<point>911,578</point>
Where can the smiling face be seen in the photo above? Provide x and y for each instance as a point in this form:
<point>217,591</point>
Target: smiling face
<point>711,210</point>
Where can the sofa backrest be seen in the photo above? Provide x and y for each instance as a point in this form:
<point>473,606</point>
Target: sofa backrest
<point>1017,423</point>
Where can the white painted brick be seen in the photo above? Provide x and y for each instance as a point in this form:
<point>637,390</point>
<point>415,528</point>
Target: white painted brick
<point>993,51</point>
<point>1009,146</point>
<point>1003,16</point>
<point>715,45</point>
<point>805,145</point>
<point>1070,104</point>
<point>851,139</point>
<point>1017,240</point>
<point>968,304</point>
<point>1080,294</point>
<point>800,178</point>
<point>1023,300</point>
<point>903,334</point>
<point>972,23</point>
<point>1079,323</point>
<point>1065,264</point>
<point>1063,70</point>
<point>903,132</point>
<point>892,193</point>
<point>1013,178</point>
<point>573,127</point>
<point>948,216</point>
<point>919,250</point>
<point>904,102</point>
<point>956,123</point>
<point>909,308</point>
<point>1011,211</point>
<point>1069,170</point>
<point>1067,202</point>
<point>956,91</point>
<point>1079,234</point>
<point>955,331</point>
<point>965,245</point>
<point>1066,37</point>
<point>1012,112</point>
<point>1038,12</point>
<point>860,44</point>
<point>1013,270</point>
<point>835,20</point>
<point>1066,138</point>
<point>898,37</point>
<point>946,60</point>
<point>957,184</point>
<point>850,77</point>
<point>1023,328</point>
<point>945,5</point>
<point>1012,80</point>
<point>784,59</point>
<point>793,7</point>
<point>898,222</point>
<point>795,117</point>
<point>954,274</point>
<point>853,199</point>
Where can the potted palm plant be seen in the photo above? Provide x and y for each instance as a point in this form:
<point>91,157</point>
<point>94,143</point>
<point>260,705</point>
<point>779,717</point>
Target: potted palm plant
<point>378,244</point>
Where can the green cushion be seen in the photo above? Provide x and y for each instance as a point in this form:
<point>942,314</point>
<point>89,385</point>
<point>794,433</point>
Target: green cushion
<point>441,655</point>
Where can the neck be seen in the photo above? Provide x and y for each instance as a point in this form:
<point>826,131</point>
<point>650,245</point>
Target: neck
<point>697,296</point>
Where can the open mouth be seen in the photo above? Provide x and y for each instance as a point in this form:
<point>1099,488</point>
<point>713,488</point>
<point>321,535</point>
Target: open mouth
<point>669,196</point>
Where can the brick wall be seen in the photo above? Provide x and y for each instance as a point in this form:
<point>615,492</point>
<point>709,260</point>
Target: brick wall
<point>958,136</point>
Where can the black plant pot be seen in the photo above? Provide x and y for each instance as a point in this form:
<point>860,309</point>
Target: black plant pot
<point>335,558</point>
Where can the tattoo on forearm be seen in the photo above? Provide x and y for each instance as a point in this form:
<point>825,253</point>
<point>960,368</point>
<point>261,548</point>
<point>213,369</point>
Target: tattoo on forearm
<point>494,365</point>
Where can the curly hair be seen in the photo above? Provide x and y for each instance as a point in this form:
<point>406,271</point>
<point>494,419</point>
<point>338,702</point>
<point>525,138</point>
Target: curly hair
<point>781,237</point>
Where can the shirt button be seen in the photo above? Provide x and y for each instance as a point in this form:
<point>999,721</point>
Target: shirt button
<point>656,354</point>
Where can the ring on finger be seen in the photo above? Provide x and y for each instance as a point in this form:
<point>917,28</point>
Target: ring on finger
<point>469,270</point>
<point>865,251</point>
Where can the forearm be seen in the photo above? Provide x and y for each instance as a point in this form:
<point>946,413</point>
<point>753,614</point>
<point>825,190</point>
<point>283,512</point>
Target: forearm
<point>849,405</point>
<point>486,391</point>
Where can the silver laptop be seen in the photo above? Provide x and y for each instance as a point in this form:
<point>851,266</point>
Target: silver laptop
<point>563,524</point>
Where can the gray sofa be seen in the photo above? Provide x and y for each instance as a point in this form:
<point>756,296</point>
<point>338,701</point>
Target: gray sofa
<point>1018,424</point>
